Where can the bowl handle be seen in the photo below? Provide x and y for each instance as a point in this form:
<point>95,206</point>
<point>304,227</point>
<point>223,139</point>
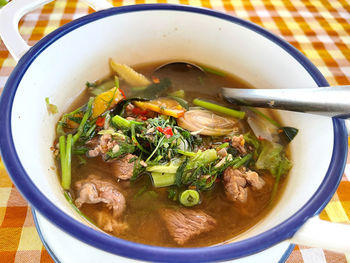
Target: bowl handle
<point>320,233</point>
<point>11,14</point>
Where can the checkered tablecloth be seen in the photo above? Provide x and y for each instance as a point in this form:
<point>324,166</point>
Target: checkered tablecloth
<point>319,29</point>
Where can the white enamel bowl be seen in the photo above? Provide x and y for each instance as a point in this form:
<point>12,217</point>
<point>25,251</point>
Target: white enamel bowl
<point>59,65</point>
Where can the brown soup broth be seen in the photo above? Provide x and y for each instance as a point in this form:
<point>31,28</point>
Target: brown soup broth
<point>145,225</point>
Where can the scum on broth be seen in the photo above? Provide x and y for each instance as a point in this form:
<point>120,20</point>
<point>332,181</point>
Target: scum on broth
<point>141,213</point>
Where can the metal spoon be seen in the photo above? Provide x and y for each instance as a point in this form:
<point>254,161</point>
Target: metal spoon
<point>178,66</point>
<point>327,101</point>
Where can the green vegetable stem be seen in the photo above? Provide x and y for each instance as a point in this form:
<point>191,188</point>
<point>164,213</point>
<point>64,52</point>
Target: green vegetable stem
<point>218,108</point>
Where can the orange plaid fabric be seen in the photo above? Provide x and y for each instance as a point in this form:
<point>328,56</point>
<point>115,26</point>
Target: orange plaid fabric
<point>320,29</point>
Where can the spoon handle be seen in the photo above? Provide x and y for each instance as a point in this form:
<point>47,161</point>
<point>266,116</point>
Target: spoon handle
<point>327,101</point>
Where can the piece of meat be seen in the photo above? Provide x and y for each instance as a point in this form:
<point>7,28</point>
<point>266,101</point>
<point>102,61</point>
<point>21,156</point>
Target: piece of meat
<point>254,180</point>
<point>108,223</point>
<point>238,142</point>
<point>105,144</point>
<point>183,224</point>
<point>94,189</point>
<point>122,168</point>
<point>237,181</point>
<point>235,185</point>
<point>222,152</point>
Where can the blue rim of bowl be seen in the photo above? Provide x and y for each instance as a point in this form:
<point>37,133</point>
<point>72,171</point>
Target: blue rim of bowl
<point>281,232</point>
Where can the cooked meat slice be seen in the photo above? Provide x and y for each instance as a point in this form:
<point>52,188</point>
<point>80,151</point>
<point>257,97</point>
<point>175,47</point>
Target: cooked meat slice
<point>105,144</point>
<point>235,185</point>
<point>94,189</point>
<point>237,181</point>
<point>222,152</point>
<point>238,143</point>
<point>123,168</point>
<point>183,224</point>
<point>254,180</point>
<point>108,223</point>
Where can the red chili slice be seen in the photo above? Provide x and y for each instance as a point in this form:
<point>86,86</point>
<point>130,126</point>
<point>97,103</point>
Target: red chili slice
<point>100,121</point>
<point>122,92</point>
<point>168,132</point>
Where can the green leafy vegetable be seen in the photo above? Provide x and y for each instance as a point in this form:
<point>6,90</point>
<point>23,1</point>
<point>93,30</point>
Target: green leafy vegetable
<point>124,148</point>
<point>3,3</point>
<point>124,124</point>
<point>290,132</point>
<point>153,90</point>
<point>83,121</point>
<point>179,172</point>
<point>272,158</point>
<point>173,194</point>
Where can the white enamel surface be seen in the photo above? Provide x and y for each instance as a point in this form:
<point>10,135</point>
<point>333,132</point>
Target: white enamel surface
<point>60,242</point>
<point>320,233</point>
<point>14,11</point>
<point>60,73</point>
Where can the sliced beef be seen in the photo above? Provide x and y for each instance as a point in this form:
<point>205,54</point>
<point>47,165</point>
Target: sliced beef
<point>94,189</point>
<point>254,180</point>
<point>183,224</point>
<point>122,168</point>
<point>238,142</point>
<point>235,185</point>
<point>237,181</point>
<point>104,144</point>
<point>222,152</point>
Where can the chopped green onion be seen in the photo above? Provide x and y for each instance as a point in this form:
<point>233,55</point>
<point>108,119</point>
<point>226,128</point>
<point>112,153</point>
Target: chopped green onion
<point>189,198</point>
<point>190,154</point>
<point>222,146</point>
<point>219,108</point>
<point>163,179</point>
<point>123,123</point>
<point>62,146</point>
<point>116,82</point>
<point>242,161</point>
<point>66,176</point>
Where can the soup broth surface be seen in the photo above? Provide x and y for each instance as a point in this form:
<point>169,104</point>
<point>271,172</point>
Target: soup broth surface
<point>144,201</point>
